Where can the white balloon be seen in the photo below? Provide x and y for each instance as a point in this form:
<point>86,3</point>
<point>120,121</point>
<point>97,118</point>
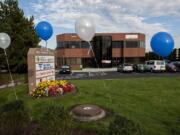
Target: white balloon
<point>5,40</point>
<point>85,28</point>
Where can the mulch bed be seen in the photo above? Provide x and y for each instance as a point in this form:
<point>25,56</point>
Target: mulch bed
<point>80,132</point>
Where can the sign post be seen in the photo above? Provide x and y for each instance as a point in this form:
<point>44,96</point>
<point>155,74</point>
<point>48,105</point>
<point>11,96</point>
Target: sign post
<point>41,66</point>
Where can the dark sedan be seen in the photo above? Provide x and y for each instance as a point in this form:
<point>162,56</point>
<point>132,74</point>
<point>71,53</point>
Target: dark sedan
<point>65,69</point>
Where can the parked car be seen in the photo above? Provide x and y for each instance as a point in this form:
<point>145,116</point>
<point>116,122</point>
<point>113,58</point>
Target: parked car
<point>65,69</point>
<point>125,68</point>
<point>170,67</point>
<point>177,64</point>
<point>156,65</point>
<point>139,68</point>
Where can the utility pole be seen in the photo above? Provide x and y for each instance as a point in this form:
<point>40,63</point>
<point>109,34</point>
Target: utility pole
<point>63,59</point>
<point>123,54</point>
<point>177,54</point>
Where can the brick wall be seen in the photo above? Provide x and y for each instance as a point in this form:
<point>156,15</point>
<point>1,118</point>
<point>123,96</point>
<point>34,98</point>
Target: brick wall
<point>73,53</point>
<point>115,36</point>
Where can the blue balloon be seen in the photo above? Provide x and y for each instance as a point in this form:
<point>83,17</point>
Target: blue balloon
<point>44,30</point>
<point>162,44</point>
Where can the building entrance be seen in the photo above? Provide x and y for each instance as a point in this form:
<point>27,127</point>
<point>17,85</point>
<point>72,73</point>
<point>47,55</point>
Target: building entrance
<point>102,46</point>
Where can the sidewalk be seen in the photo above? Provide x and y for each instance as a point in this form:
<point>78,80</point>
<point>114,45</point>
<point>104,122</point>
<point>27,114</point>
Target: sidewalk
<point>96,70</point>
<point>8,85</point>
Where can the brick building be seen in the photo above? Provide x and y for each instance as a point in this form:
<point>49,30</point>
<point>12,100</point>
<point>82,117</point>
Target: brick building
<point>110,49</point>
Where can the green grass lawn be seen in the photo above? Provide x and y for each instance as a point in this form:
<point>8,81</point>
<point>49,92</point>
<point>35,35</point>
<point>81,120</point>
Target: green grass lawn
<point>5,78</point>
<point>152,102</point>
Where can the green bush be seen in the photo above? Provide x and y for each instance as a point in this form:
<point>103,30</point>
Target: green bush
<point>123,126</point>
<point>14,118</point>
<point>56,120</point>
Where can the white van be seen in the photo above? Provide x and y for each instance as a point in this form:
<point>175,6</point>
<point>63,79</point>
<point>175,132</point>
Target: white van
<point>156,65</point>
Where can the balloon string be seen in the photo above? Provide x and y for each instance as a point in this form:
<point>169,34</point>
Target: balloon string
<point>12,81</point>
<point>46,44</point>
<point>90,48</point>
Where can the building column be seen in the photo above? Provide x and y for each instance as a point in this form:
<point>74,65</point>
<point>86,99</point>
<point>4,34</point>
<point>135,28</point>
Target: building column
<point>123,52</point>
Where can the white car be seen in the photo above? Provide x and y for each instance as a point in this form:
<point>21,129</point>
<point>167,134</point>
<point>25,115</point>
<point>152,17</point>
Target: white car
<point>125,68</point>
<point>156,65</point>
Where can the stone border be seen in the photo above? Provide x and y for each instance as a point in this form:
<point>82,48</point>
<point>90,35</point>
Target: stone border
<point>88,118</point>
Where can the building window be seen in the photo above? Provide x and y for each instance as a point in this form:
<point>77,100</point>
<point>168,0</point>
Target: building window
<point>117,44</point>
<point>60,44</point>
<point>132,44</point>
<point>73,61</point>
<point>142,44</point>
<point>74,44</point>
<point>68,44</point>
<point>84,44</point>
<point>78,61</point>
<point>60,62</point>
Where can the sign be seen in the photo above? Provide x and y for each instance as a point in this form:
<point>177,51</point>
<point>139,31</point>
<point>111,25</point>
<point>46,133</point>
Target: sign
<point>44,73</point>
<point>132,36</point>
<point>44,59</point>
<point>44,66</point>
<point>41,66</point>
<point>45,69</point>
<point>106,61</point>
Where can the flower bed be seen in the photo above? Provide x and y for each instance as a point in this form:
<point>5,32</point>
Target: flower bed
<point>52,88</point>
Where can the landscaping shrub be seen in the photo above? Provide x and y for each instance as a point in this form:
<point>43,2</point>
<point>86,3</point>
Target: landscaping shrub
<point>14,118</point>
<point>56,120</point>
<point>123,126</point>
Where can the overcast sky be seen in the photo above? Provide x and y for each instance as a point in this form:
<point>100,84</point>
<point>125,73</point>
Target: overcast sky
<point>145,16</point>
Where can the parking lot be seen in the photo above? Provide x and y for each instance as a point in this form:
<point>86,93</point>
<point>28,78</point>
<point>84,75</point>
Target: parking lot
<point>112,75</point>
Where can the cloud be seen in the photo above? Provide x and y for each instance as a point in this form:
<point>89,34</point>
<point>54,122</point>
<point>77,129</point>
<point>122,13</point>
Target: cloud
<point>109,15</point>
<point>151,7</point>
<point>37,7</point>
<point>177,41</point>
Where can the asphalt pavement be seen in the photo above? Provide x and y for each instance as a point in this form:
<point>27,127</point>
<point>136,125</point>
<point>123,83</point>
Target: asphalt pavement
<point>112,75</point>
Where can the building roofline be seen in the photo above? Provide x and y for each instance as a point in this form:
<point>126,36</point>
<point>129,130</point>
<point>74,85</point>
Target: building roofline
<point>105,33</point>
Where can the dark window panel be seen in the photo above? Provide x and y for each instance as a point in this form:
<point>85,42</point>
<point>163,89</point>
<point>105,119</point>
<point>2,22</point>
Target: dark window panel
<point>84,44</point>
<point>132,44</point>
<point>117,44</point>
<point>73,44</point>
<point>60,44</point>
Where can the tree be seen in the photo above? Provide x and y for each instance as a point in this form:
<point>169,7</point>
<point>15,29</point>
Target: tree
<point>152,56</point>
<point>22,33</point>
<point>174,56</point>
